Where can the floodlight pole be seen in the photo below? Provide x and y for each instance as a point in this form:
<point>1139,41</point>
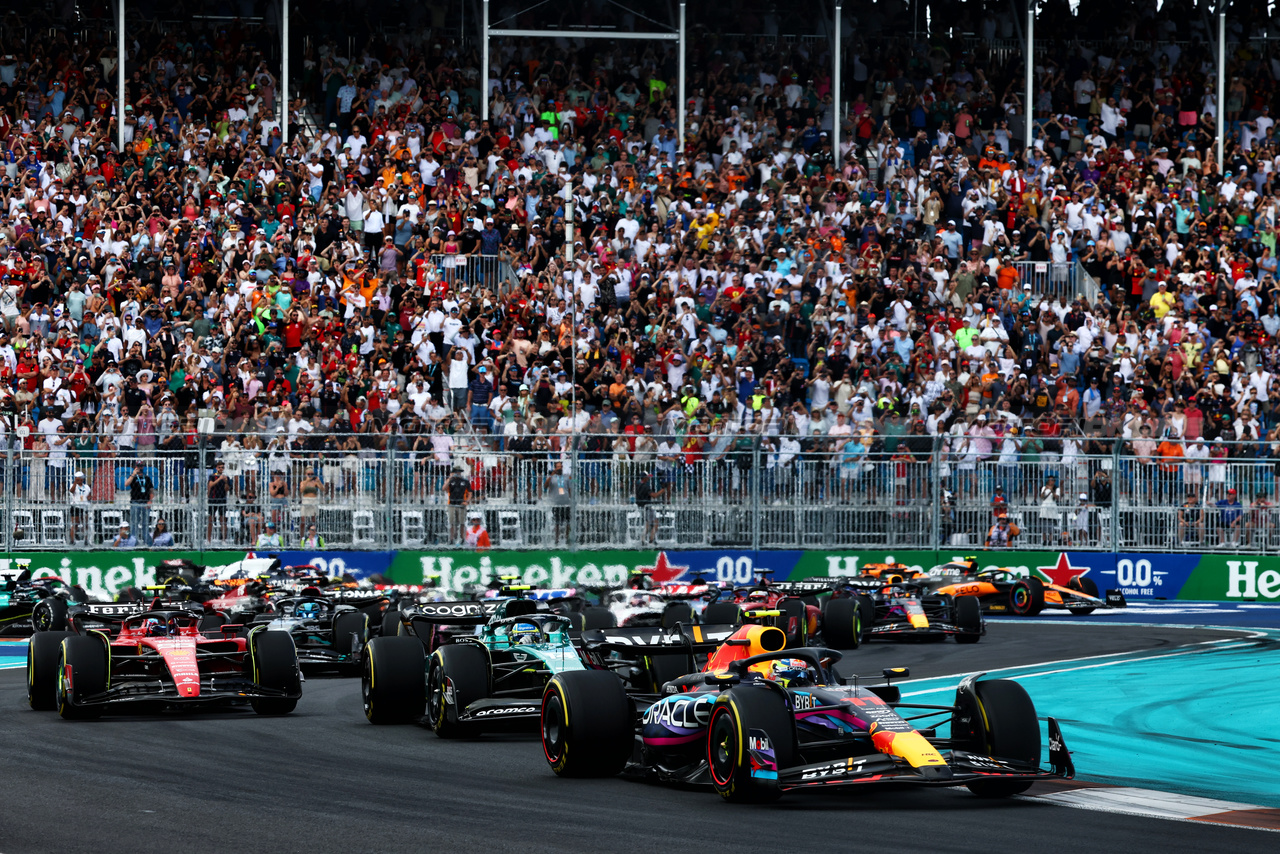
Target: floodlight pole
<point>120,77</point>
<point>680,94</point>
<point>284,73</point>
<point>484,60</point>
<point>1028,109</point>
<point>835,92</point>
<point>1222,83</point>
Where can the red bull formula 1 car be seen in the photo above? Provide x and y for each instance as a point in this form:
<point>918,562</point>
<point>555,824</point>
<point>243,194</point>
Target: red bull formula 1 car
<point>762,720</point>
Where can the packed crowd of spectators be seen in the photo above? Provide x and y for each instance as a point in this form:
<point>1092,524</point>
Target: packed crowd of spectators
<point>398,272</point>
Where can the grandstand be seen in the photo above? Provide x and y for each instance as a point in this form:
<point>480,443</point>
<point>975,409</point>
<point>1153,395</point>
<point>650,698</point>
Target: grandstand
<point>319,312</point>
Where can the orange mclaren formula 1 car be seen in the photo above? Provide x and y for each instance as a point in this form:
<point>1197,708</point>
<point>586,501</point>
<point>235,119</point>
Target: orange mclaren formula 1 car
<point>1003,592</point>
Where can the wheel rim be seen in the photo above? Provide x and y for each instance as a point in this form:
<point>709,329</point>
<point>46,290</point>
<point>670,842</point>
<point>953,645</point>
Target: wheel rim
<point>721,748</point>
<point>553,727</point>
<point>40,618</point>
<point>1021,598</point>
<point>366,683</point>
<point>435,694</point>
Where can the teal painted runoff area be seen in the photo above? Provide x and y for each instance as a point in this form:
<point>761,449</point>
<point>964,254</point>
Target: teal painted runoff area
<point>13,654</point>
<point>1199,719</point>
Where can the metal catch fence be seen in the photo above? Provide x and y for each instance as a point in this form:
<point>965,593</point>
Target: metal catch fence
<point>371,491</point>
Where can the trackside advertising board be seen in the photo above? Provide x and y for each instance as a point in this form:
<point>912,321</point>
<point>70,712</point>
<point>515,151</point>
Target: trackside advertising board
<point>1140,575</point>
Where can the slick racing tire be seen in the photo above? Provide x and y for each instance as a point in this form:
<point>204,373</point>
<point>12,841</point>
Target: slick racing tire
<point>393,680</point>
<point>43,655</point>
<point>82,672</point>
<point>739,718</point>
<point>587,724</point>
<point>1026,597</point>
<point>390,626</point>
<point>677,612</point>
<point>597,617</point>
<point>842,625</point>
<point>1086,586</point>
<point>794,621</point>
<point>1011,730</point>
<point>722,613</point>
<point>347,627</point>
<point>967,618</point>
<point>457,676</point>
<point>274,664</point>
<point>49,615</point>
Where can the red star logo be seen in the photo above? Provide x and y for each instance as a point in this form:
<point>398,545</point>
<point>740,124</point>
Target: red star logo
<point>1062,572</point>
<point>663,572</point>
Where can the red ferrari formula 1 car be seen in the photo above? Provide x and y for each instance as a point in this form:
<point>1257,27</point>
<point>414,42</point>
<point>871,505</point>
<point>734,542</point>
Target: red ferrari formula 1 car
<point>159,657</point>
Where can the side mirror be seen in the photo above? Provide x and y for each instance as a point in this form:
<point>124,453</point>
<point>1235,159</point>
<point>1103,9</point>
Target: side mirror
<point>723,679</point>
<point>896,672</point>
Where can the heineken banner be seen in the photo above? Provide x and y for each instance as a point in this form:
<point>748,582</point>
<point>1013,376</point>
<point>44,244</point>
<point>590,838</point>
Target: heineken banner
<point>1140,576</point>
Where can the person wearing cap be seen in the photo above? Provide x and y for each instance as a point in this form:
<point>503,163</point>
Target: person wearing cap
<point>457,492</point>
<point>269,538</point>
<point>475,535</point>
<point>78,497</point>
<point>1230,513</point>
<point>141,490</point>
<point>124,539</point>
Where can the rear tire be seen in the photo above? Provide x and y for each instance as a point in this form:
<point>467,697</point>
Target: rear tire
<point>587,724</point>
<point>1026,597</point>
<point>1011,730</point>
<point>275,665</point>
<point>737,715</point>
<point>393,680</point>
<point>793,609</point>
<point>842,623</point>
<point>345,626</point>
<point>677,612</point>
<point>50,615</point>
<point>464,668</point>
<point>43,656</point>
<point>597,617</point>
<point>86,658</point>
<point>722,613</point>
<point>390,626</point>
<point>968,619</point>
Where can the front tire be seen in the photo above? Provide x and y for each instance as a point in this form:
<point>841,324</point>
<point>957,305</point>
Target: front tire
<point>968,619</point>
<point>50,615</point>
<point>274,659</point>
<point>393,680</point>
<point>1086,586</point>
<point>350,631</point>
<point>587,724</point>
<point>842,625</point>
<point>82,672</point>
<point>722,613</point>
<point>1026,597</point>
<point>1011,731</point>
<point>738,719</point>
<point>597,617</point>
<point>457,676</point>
<point>44,653</point>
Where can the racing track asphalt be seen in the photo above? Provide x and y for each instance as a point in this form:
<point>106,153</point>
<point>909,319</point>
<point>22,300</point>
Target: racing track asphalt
<point>324,780</point>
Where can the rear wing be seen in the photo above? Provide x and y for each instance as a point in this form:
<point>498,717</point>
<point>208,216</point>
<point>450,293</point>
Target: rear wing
<point>463,613</point>
<point>805,588</point>
<point>695,639</point>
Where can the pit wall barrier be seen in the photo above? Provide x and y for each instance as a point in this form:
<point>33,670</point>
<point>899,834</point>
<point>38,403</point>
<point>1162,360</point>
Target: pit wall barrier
<point>1150,576</point>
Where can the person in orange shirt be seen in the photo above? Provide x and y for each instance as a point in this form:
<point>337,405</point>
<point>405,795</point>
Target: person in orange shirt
<point>1007,275</point>
<point>1170,454</point>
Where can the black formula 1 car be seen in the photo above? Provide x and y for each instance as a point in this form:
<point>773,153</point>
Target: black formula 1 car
<point>762,720</point>
<point>30,605</point>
